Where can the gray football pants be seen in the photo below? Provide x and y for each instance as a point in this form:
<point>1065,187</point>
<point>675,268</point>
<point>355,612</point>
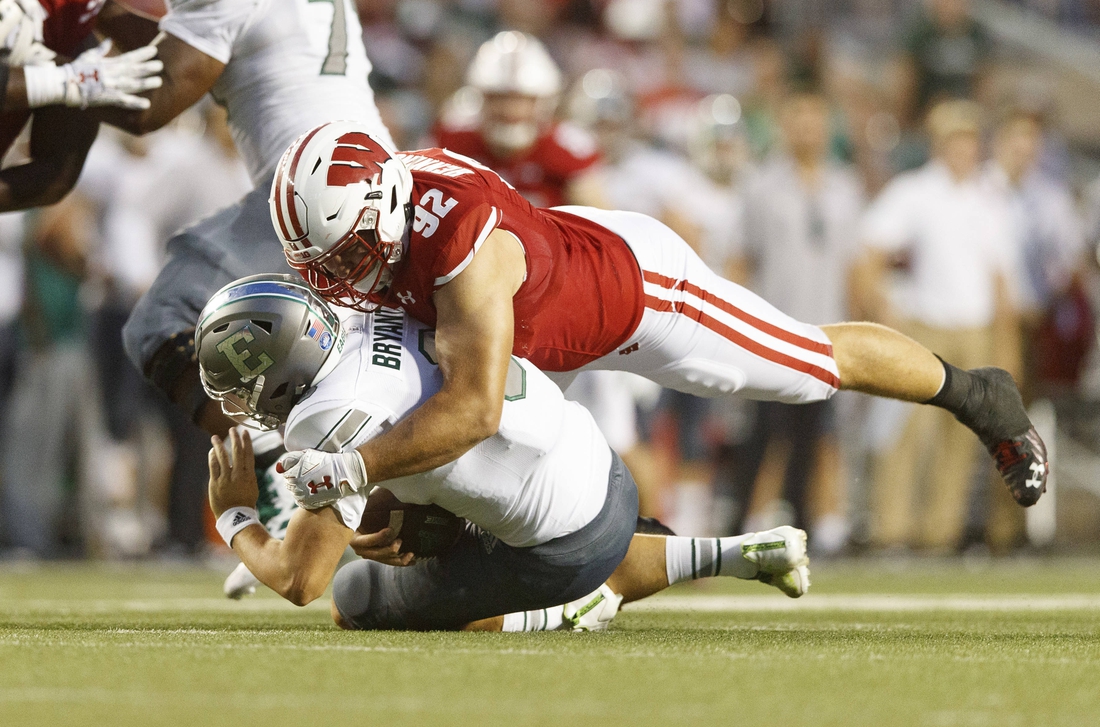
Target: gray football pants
<point>230,244</point>
<point>482,577</point>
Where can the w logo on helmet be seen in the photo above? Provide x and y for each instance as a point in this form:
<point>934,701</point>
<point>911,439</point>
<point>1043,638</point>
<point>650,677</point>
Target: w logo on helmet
<point>356,158</point>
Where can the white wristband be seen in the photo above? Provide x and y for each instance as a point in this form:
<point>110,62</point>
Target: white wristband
<point>234,520</point>
<point>45,85</point>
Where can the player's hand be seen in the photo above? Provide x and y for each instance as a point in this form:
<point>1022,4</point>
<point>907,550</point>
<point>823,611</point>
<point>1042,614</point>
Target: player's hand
<point>232,479</point>
<point>383,546</point>
<point>317,478</point>
<point>96,79</point>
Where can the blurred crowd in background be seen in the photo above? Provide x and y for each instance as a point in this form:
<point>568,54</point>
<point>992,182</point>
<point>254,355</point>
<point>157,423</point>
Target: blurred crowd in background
<point>928,165</point>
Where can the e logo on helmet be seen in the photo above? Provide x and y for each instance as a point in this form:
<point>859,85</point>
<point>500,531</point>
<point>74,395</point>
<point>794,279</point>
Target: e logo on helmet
<point>239,359</point>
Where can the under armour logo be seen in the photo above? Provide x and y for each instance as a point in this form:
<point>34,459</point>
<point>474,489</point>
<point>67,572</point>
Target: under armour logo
<point>315,486</point>
<point>1038,469</point>
<point>629,350</point>
<point>406,298</point>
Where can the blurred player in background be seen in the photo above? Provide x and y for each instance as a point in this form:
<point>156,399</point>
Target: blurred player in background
<point>551,506</point>
<point>37,40</point>
<point>509,125</point>
<point>573,288</point>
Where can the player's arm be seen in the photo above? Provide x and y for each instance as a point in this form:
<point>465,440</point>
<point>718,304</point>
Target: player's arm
<point>473,340</point>
<point>60,140</point>
<point>127,28</point>
<point>299,567</point>
<point>188,75</point>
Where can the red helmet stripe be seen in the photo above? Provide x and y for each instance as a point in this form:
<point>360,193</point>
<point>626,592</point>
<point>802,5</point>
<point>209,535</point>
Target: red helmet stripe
<point>294,222</point>
<point>280,182</point>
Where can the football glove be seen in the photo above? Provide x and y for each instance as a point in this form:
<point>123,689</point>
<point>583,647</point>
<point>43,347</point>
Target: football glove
<point>96,79</point>
<point>317,478</point>
<point>21,33</point>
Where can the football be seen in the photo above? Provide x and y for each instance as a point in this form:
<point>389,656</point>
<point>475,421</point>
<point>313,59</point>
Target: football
<point>427,531</point>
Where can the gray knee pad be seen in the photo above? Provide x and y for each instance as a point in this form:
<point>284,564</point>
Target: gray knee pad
<point>362,591</point>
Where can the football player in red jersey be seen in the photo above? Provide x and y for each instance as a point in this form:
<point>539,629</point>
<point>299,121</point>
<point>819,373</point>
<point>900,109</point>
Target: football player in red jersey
<point>36,37</point>
<point>447,240</point>
<point>514,132</point>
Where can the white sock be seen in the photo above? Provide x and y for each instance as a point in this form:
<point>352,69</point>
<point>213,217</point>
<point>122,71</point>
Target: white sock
<point>544,619</point>
<point>689,558</point>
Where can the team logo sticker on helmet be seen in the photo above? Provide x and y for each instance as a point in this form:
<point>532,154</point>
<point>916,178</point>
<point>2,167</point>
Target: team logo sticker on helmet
<point>316,331</point>
<point>239,359</point>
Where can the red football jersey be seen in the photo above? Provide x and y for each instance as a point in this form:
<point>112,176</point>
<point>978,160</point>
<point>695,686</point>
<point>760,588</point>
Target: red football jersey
<point>583,293</point>
<point>542,172</point>
<point>68,23</point>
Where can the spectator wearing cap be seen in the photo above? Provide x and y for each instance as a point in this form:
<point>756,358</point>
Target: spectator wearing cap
<point>955,299</point>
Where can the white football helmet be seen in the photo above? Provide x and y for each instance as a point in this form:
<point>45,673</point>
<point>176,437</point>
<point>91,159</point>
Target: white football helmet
<point>514,63</point>
<point>340,203</point>
<point>21,33</point>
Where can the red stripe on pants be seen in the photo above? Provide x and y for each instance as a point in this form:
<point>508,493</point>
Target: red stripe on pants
<point>761,325</point>
<point>664,306</point>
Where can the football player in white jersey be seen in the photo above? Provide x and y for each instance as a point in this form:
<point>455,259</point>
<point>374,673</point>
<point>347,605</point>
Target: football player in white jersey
<point>551,508</point>
<point>279,68</point>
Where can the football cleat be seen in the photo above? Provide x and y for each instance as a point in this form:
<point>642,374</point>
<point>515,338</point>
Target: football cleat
<point>781,557</point>
<point>1022,462</point>
<point>1018,450</point>
<point>594,612</point>
<point>794,582</point>
<point>240,583</point>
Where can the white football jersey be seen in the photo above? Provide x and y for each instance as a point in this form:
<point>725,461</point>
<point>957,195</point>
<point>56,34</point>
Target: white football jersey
<point>541,476</point>
<point>291,65</point>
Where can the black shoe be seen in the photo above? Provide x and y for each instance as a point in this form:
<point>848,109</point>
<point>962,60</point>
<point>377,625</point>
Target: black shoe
<point>1022,462</point>
<point>1006,432</point>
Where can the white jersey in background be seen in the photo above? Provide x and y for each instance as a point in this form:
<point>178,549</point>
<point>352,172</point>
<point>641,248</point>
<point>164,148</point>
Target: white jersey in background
<point>543,475</point>
<point>291,65</point>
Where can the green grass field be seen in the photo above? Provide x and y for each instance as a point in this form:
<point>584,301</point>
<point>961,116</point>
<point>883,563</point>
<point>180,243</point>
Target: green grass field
<point>874,643</point>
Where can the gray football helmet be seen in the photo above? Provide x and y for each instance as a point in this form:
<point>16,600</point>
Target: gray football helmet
<point>262,343</point>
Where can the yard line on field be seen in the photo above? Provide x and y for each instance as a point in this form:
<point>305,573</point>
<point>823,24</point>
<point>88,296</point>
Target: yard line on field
<point>670,603</point>
<point>867,602</point>
<point>107,605</point>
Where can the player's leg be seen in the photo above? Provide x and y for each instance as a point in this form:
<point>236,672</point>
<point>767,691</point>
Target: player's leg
<point>878,360</point>
<point>705,335</point>
<point>482,577</point>
<point>777,557</point>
